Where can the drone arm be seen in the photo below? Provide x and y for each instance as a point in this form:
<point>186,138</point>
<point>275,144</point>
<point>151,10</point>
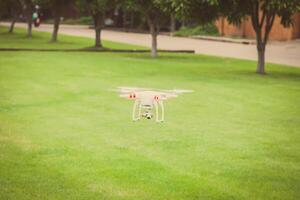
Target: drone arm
<point>124,96</point>
<point>166,96</point>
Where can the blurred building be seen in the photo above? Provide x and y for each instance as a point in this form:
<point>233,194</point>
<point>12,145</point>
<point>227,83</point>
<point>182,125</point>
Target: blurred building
<point>245,29</point>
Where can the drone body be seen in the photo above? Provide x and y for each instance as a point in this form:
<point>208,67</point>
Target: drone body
<point>146,100</point>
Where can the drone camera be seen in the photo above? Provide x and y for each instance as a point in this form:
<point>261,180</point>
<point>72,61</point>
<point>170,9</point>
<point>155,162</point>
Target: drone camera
<point>147,115</point>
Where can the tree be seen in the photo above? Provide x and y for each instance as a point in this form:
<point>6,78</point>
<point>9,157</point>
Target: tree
<point>10,9</point>
<point>262,14</point>
<point>28,7</point>
<point>193,11</point>
<point>199,11</point>
<point>97,9</point>
<point>155,15</point>
<point>172,24</point>
<point>14,10</point>
<point>57,8</point>
<point>3,8</point>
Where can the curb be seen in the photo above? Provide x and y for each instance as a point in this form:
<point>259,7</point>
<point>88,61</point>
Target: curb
<point>97,50</point>
<point>246,42</point>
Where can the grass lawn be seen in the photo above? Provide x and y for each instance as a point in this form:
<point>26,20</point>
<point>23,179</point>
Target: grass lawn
<point>41,40</point>
<point>63,135</point>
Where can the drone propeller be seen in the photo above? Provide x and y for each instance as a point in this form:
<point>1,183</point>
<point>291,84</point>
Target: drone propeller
<point>182,91</point>
<point>131,89</point>
<point>124,91</point>
<point>178,91</point>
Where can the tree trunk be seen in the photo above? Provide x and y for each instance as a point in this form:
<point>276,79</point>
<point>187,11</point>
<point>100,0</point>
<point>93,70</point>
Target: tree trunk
<point>125,19</point>
<point>98,27</point>
<point>28,10</point>
<point>131,20</point>
<point>265,21</point>
<point>173,24</point>
<point>29,24</point>
<point>12,25</point>
<point>29,29</point>
<point>98,43</point>
<point>261,57</point>
<point>153,32</point>
<point>222,26</point>
<point>55,28</point>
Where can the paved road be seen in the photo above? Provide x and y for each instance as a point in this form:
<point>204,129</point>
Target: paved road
<point>277,52</point>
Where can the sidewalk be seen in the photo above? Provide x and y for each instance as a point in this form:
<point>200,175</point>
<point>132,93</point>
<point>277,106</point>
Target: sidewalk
<point>287,53</point>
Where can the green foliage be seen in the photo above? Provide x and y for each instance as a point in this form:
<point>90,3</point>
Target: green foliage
<point>88,20</point>
<point>85,20</point>
<point>207,29</point>
<point>155,15</point>
<point>95,6</point>
<point>152,10</point>
<point>236,10</point>
<point>200,11</point>
<point>3,8</point>
<point>97,9</point>
<point>11,8</point>
<point>263,14</point>
<point>58,7</point>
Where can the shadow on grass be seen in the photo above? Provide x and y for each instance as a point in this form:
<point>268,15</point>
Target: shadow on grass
<point>271,74</point>
<point>162,56</point>
<point>59,42</point>
<point>19,36</point>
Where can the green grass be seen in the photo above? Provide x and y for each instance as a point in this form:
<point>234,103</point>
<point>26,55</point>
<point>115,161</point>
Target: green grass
<point>41,40</point>
<point>64,135</point>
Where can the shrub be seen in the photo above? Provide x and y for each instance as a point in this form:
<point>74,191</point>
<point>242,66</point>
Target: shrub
<point>86,20</point>
<point>208,29</point>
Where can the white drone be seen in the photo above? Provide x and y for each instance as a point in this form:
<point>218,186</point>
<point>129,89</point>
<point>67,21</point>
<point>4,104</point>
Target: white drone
<point>145,100</point>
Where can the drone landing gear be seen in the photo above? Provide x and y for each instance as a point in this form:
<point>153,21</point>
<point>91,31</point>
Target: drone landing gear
<point>160,104</point>
<point>138,107</point>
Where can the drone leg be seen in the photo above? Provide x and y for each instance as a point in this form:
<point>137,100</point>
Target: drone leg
<point>162,111</point>
<point>140,110</point>
<point>156,111</point>
<point>134,117</point>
